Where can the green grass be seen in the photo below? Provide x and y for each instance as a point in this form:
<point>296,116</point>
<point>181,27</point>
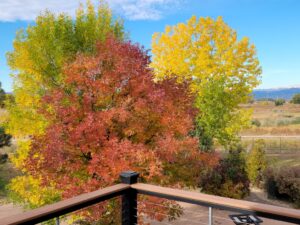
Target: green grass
<point>284,151</point>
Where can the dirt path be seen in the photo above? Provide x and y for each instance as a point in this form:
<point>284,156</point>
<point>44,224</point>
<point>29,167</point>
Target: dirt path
<point>9,210</point>
<point>258,195</point>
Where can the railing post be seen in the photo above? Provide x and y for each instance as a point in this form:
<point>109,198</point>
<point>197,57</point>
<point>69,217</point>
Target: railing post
<point>129,199</point>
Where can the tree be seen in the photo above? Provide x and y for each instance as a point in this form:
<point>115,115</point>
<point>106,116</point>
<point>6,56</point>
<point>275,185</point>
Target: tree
<point>109,117</point>
<point>2,97</point>
<point>256,123</point>
<point>256,162</point>
<point>40,53</point>
<point>296,99</point>
<point>221,72</point>
<point>37,59</point>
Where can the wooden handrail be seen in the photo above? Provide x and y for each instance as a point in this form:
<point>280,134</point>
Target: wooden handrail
<point>264,210</point>
<point>65,206</point>
<point>130,190</point>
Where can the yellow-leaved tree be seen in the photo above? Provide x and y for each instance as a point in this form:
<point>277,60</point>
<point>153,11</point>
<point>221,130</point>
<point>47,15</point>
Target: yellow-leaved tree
<point>37,61</point>
<point>220,69</point>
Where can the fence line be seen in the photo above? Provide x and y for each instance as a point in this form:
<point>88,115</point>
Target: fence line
<point>275,144</point>
<point>270,136</point>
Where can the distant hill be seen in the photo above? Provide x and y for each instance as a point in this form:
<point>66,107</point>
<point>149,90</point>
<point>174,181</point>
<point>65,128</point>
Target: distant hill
<point>286,93</point>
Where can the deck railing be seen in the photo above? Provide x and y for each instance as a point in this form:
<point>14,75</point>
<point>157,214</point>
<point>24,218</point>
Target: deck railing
<point>129,190</point>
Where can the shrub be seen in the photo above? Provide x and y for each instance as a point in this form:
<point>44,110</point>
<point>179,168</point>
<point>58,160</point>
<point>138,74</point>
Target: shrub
<point>4,138</point>
<point>251,100</point>
<point>266,100</point>
<point>2,186</point>
<point>270,183</point>
<point>279,101</point>
<point>296,120</point>
<point>256,123</point>
<point>296,99</point>
<point>256,162</point>
<point>229,178</point>
<point>283,122</point>
<point>3,158</point>
<point>284,183</point>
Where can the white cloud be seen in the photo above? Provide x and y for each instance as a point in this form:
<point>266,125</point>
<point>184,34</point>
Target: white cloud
<point>144,9</point>
<point>11,10</point>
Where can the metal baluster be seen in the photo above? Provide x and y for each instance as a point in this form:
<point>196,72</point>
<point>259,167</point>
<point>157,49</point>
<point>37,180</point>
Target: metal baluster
<point>57,221</point>
<point>210,216</point>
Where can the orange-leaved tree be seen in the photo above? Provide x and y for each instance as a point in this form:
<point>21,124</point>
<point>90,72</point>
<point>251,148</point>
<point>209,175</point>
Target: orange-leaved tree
<point>110,117</point>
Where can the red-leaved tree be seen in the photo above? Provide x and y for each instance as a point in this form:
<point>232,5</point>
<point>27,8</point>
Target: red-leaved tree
<point>110,117</point>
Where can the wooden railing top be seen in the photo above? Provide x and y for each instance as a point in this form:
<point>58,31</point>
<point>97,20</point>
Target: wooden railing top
<point>70,205</point>
<point>269,211</point>
<point>65,206</point>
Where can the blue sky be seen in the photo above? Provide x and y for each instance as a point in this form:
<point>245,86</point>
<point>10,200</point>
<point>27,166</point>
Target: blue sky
<point>272,25</point>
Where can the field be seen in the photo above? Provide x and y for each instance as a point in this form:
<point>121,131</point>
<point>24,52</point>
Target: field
<point>269,119</point>
<point>279,127</point>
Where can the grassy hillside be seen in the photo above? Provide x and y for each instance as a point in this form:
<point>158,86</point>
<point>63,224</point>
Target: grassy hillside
<point>274,120</point>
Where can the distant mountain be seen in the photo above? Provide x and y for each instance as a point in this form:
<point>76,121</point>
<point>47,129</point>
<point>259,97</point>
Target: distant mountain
<point>286,93</point>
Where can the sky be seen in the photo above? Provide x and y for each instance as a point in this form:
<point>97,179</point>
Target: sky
<point>272,25</point>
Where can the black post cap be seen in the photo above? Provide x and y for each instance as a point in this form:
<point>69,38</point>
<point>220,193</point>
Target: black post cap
<point>129,177</point>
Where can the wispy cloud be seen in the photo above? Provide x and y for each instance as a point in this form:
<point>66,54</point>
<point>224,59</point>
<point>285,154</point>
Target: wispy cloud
<point>144,9</point>
<point>12,10</point>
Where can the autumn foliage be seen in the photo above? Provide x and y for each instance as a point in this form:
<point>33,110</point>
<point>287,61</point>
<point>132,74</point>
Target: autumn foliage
<point>37,60</point>
<point>110,117</point>
<point>91,105</point>
<point>221,71</point>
